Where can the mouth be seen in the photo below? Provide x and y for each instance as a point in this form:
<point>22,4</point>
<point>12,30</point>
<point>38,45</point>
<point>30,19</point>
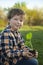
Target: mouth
<point>18,25</point>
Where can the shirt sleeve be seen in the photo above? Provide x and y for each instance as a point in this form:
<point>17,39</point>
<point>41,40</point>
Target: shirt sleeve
<point>7,47</point>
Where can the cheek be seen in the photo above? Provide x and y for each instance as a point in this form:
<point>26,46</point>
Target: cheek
<point>13,22</point>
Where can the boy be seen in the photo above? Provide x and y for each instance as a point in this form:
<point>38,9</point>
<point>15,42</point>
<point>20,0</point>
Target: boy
<point>12,42</point>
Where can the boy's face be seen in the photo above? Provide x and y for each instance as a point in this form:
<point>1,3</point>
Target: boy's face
<point>16,21</point>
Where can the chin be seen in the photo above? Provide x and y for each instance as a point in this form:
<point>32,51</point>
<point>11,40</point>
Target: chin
<point>16,28</point>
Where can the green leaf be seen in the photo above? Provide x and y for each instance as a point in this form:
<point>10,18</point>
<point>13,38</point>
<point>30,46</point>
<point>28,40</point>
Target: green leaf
<point>29,36</point>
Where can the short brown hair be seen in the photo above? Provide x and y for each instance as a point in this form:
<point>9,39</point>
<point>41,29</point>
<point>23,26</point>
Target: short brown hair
<point>15,11</point>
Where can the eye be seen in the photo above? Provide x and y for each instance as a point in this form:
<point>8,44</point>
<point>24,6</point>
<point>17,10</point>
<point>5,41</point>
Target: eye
<point>15,19</point>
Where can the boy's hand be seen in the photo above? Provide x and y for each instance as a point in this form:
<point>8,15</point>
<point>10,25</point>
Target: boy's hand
<point>35,53</point>
<point>27,54</point>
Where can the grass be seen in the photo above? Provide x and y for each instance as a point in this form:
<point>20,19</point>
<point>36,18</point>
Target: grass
<point>37,39</point>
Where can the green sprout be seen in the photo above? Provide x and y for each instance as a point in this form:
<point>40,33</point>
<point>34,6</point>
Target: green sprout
<point>28,40</point>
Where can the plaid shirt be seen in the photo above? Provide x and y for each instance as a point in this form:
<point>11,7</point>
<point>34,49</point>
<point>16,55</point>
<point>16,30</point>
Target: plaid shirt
<point>11,43</point>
